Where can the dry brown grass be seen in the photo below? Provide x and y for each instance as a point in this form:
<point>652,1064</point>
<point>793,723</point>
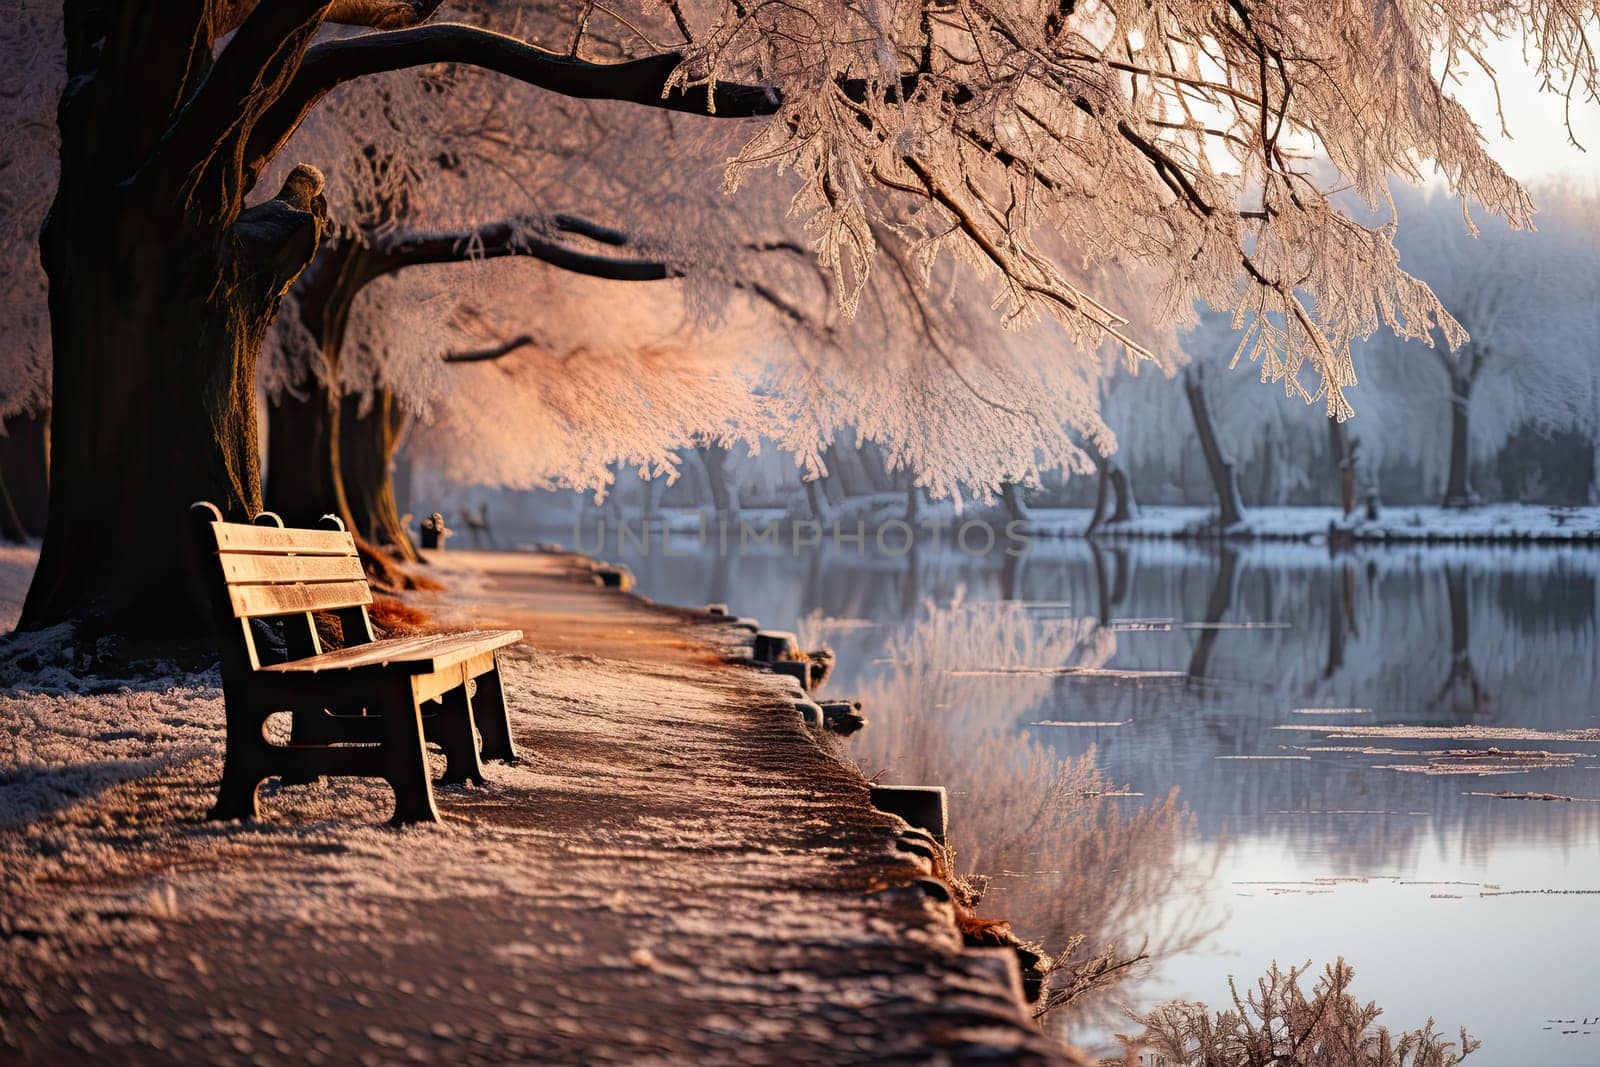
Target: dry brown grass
<point>393,617</point>
<point>385,572</point>
<point>329,630</point>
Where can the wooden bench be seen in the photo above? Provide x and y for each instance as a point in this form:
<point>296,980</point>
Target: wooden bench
<point>366,709</point>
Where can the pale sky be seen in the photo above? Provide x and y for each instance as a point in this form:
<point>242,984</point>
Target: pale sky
<point>1539,147</point>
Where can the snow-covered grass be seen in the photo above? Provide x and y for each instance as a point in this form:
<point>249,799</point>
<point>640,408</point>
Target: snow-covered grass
<point>1506,523</point>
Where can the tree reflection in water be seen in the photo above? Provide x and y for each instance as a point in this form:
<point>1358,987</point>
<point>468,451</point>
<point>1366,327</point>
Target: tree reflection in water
<point>1072,860</point>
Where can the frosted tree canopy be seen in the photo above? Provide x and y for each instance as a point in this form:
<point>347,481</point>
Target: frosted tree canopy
<point>901,178</point>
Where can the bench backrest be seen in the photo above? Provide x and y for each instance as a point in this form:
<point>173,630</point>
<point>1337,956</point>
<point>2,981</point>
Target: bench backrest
<point>269,571</point>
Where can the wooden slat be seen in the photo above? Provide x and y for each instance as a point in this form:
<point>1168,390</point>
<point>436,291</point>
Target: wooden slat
<point>255,601</point>
<point>436,683</point>
<point>255,567</point>
<point>412,655</point>
<point>237,537</point>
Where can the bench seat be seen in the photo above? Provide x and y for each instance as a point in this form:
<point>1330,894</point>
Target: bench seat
<point>425,654</point>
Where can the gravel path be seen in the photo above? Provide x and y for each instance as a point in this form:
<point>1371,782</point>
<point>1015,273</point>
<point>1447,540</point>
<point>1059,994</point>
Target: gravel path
<point>676,872</point>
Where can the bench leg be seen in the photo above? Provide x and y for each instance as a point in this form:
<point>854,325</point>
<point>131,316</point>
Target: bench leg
<point>405,757</point>
<point>244,768</point>
<point>489,709</point>
<point>307,727</point>
<point>455,734</point>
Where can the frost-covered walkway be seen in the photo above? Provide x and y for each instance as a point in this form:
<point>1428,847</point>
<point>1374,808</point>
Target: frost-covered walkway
<point>675,872</point>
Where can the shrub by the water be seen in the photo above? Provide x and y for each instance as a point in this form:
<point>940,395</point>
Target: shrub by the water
<point>1280,1023</point>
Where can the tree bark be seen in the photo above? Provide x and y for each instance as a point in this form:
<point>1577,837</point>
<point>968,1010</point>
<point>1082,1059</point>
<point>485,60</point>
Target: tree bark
<point>304,475</point>
<point>1127,508</point>
<point>876,467</point>
<point>1267,491</point>
<point>844,463</point>
<point>158,309</point>
<point>368,442</point>
<point>1458,486</point>
<point>25,470</point>
<point>1224,478</point>
<point>1011,501</point>
<point>653,488</point>
<point>1102,498</point>
<point>1339,456</point>
<point>724,490</point>
<point>914,502</point>
<point>403,472</point>
<point>817,501</point>
<point>304,480</point>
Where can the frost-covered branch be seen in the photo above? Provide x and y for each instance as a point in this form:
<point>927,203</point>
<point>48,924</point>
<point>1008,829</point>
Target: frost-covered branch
<point>511,237</point>
<point>646,81</point>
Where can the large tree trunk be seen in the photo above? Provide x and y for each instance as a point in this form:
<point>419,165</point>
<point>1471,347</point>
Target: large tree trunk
<point>653,488</point>
<point>876,467</point>
<point>1127,508</point>
<point>1267,491</point>
<point>1458,487</point>
<point>1224,478</point>
<point>161,287</point>
<point>817,501</point>
<point>1102,498</point>
<point>368,441</point>
<point>157,308</point>
<point>304,480</point>
<point>404,470</point>
<point>1342,469</point>
<point>1016,509</point>
<point>25,471</point>
<point>849,473</point>
<point>724,490</point>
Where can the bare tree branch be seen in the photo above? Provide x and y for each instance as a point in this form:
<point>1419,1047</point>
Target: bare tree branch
<point>508,237</point>
<point>486,355</point>
<point>640,81</point>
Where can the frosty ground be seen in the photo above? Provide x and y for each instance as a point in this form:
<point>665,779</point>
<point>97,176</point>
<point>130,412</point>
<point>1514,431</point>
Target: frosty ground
<point>677,870</point>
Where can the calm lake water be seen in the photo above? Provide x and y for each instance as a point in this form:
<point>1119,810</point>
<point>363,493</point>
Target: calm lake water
<point>1336,729</point>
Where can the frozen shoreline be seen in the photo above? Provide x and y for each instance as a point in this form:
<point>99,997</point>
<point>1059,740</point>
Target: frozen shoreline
<point>677,870</point>
<point>1486,523</point>
<point>885,515</point>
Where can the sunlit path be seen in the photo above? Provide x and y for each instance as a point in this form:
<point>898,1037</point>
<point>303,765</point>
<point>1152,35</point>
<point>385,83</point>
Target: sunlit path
<point>675,869</point>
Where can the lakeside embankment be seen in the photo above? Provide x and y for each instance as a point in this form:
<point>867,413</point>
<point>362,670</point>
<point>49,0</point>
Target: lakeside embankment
<point>677,870</point>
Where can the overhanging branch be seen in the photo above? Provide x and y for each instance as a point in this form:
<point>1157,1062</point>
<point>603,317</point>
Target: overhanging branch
<point>507,238</point>
<point>640,81</point>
